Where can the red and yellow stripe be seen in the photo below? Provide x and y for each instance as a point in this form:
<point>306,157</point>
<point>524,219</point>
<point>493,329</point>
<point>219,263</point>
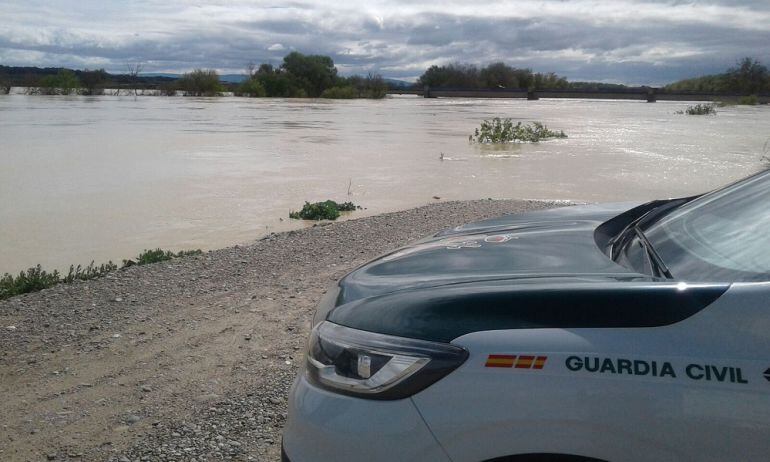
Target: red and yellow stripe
<point>500,360</point>
<point>516,361</point>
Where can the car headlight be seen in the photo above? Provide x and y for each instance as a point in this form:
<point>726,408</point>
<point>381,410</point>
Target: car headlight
<point>376,366</point>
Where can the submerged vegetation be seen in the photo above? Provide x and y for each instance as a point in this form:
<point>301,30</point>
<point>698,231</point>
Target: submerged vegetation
<point>36,278</point>
<point>5,84</point>
<point>63,83</point>
<point>200,82</point>
<point>309,76</point>
<point>699,109</point>
<point>500,130</point>
<point>326,210</point>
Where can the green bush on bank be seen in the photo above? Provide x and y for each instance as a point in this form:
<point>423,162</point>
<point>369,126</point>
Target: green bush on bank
<point>326,210</point>
<point>36,278</point>
<point>500,130</point>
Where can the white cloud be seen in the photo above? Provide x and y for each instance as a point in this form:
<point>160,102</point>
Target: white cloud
<point>651,40</point>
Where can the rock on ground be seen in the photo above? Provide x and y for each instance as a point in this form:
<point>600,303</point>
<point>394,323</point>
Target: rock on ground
<point>189,359</point>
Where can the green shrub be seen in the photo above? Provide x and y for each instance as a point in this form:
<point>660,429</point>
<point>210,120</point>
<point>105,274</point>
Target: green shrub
<point>699,109</point>
<point>751,100</point>
<point>500,130</point>
<point>251,87</point>
<point>33,280</point>
<point>201,82</point>
<point>346,92</point>
<point>63,83</point>
<point>36,278</point>
<point>158,255</point>
<point>89,272</point>
<point>326,210</point>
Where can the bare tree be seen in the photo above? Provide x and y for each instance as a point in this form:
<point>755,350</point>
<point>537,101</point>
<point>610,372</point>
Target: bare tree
<point>133,73</point>
<point>251,69</point>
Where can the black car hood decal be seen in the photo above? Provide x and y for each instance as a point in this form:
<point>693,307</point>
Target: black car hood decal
<point>445,313</point>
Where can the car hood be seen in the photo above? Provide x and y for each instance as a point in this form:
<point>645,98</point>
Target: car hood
<point>552,244</point>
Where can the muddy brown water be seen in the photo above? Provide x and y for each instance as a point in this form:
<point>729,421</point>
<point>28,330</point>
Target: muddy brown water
<point>99,178</point>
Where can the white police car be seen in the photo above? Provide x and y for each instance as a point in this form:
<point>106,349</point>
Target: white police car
<point>572,334</point>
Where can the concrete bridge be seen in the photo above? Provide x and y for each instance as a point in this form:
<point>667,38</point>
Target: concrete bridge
<point>648,94</point>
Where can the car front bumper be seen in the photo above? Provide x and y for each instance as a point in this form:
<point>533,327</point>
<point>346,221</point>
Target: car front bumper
<point>325,426</point>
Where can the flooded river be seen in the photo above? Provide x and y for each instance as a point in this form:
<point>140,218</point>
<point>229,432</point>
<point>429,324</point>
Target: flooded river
<point>99,178</point>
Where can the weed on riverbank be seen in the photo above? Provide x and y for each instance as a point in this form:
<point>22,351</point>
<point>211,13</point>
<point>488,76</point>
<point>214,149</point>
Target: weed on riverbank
<point>36,278</point>
<point>326,210</point>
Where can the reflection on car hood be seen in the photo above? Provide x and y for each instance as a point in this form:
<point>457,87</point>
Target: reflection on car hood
<point>552,244</point>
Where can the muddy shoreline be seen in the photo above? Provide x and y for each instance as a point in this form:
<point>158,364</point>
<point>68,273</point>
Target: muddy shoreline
<point>189,359</point>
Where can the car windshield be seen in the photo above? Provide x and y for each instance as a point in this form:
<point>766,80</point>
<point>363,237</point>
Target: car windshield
<point>724,235</point>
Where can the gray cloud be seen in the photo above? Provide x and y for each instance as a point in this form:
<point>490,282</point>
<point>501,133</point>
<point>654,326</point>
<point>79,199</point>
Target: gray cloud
<point>632,41</point>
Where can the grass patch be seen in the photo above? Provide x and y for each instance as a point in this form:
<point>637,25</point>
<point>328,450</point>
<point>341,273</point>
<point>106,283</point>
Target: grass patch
<point>500,130</point>
<point>326,210</point>
<point>699,109</point>
<point>36,278</point>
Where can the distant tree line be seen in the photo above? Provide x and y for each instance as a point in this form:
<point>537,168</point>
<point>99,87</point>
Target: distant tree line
<point>748,77</point>
<point>495,75</point>
<point>313,76</point>
<point>316,76</point>
<point>56,80</point>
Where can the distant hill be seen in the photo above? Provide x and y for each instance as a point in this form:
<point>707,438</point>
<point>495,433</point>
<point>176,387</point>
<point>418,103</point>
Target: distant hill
<point>394,83</point>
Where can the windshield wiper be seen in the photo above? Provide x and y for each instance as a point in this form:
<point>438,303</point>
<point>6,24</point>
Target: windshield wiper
<point>618,242</point>
<point>655,261</point>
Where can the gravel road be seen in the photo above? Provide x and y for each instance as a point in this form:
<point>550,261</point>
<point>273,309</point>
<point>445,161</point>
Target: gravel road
<point>186,360</point>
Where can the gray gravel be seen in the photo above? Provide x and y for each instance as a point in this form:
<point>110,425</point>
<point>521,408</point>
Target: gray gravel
<point>186,360</point>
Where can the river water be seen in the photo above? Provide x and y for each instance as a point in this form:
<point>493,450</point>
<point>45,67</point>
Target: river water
<point>99,178</point>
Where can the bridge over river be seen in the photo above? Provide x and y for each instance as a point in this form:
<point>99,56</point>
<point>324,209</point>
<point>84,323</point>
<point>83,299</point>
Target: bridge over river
<point>648,94</point>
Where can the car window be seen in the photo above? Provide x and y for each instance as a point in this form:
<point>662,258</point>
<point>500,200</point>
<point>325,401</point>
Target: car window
<point>724,235</point>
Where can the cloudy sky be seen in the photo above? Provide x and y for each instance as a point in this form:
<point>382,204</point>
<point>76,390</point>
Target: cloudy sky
<point>628,41</point>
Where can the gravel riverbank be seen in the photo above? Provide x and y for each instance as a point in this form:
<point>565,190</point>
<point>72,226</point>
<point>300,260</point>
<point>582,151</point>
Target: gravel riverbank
<point>186,360</point>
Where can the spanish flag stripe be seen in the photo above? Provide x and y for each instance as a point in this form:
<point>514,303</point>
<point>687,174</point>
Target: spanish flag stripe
<point>524,362</point>
<point>500,361</point>
<point>540,362</point>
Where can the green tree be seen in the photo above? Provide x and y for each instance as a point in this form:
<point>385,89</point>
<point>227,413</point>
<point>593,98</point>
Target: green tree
<point>63,83</point>
<point>499,75</point>
<point>93,80</point>
<point>748,77</point>
<point>251,87</point>
<point>201,82</point>
<point>311,73</point>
